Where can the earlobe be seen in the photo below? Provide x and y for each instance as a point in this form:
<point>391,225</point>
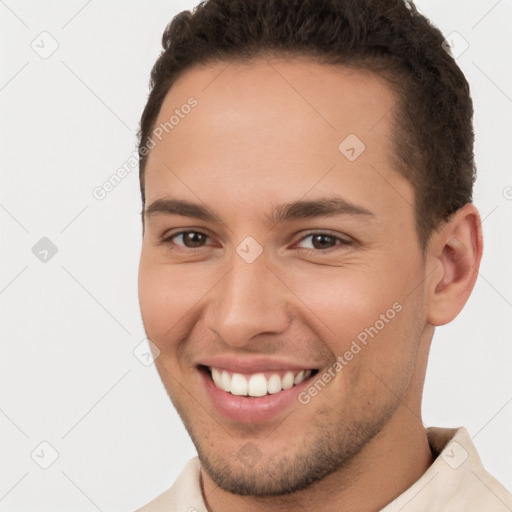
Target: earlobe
<point>456,249</point>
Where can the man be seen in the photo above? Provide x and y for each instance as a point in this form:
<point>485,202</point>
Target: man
<point>306,175</point>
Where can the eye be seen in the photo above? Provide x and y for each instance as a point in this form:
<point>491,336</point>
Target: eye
<point>319,241</point>
<point>323,241</point>
<point>190,239</point>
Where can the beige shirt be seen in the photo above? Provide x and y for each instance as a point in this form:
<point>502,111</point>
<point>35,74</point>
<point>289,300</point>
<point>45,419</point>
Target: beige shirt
<point>455,482</point>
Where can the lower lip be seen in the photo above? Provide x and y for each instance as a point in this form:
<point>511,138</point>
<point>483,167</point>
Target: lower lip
<point>249,409</point>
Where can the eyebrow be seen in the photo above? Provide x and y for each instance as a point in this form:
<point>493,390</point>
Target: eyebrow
<point>323,207</point>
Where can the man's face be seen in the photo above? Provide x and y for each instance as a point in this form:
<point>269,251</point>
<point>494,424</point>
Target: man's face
<point>249,295</point>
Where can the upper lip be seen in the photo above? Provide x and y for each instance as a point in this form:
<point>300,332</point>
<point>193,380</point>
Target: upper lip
<point>252,364</point>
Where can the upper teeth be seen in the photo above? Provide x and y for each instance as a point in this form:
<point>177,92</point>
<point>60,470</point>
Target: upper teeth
<point>256,384</point>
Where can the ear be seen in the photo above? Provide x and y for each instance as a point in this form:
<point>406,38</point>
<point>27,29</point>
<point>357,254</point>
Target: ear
<point>455,251</point>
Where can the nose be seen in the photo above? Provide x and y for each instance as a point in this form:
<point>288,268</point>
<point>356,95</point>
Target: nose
<point>249,301</point>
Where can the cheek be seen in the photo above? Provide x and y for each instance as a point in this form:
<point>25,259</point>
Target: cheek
<point>363,313</point>
<point>371,331</point>
<point>165,297</point>
<point>342,302</point>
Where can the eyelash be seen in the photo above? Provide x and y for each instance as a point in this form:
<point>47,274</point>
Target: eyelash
<point>168,240</point>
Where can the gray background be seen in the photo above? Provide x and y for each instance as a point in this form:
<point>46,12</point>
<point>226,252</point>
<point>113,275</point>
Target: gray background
<point>70,323</point>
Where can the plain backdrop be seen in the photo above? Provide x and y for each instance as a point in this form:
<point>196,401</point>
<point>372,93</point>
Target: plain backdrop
<point>74,393</point>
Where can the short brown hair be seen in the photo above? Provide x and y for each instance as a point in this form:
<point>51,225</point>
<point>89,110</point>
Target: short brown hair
<point>433,123</point>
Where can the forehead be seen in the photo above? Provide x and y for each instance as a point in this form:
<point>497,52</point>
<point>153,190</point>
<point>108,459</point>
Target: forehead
<point>266,124</point>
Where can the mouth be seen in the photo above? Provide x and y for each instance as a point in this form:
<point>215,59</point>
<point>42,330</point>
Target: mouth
<point>258,384</point>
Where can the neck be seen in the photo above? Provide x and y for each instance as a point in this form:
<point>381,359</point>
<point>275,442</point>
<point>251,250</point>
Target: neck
<point>388,465</point>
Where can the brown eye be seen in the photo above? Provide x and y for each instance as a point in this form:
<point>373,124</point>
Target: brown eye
<point>322,241</point>
<point>190,239</point>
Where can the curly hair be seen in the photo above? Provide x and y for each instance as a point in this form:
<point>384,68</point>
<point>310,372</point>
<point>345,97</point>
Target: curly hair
<point>433,120</point>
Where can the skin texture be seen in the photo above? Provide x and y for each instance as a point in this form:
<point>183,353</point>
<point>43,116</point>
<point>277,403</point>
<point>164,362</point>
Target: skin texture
<point>265,133</point>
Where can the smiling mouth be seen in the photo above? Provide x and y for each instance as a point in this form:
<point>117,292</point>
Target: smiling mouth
<point>256,384</point>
